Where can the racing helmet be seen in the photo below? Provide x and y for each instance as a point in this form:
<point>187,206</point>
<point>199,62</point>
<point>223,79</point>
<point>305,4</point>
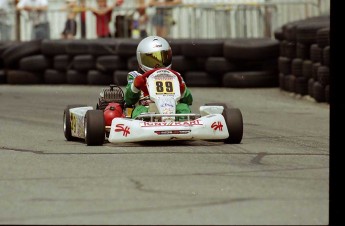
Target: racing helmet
<point>154,52</point>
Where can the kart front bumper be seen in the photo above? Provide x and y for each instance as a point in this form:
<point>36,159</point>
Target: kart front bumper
<point>210,127</point>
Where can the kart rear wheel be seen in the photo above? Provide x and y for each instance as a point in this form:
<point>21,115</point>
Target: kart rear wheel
<point>94,128</point>
<point>234,122</point>
<point>67,121</point>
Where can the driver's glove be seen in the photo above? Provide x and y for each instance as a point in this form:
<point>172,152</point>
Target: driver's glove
<point>139,82</point>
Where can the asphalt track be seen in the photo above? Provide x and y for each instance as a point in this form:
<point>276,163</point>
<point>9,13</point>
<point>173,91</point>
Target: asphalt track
<point>278,175</point>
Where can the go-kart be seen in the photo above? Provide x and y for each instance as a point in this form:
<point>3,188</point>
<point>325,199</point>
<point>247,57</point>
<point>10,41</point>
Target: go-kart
<point>112,121</point>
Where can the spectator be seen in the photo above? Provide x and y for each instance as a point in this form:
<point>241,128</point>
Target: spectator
<point>5,29</point>
<point>140,20</point>
<point>72,10</point>
<point>37,10</point>
<point>103,16</point>
<point>163,19</point>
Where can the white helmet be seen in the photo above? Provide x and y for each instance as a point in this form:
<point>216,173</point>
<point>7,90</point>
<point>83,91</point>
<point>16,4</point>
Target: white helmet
<point>154,52</point>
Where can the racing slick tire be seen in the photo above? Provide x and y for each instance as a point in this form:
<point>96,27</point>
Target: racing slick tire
<point>234,123</point>
<point>67,121</point>
<point>94,128</point>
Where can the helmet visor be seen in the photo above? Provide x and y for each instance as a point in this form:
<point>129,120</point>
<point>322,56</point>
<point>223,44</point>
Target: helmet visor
<point>158,59</point>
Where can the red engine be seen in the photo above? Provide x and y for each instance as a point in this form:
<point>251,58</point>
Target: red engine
<point>113,110</point>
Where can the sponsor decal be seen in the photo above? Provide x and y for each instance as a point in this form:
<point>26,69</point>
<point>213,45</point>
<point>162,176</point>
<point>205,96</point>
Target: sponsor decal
<point>166,105</point>
<point>123,128</point>
<point>184,123</point>
<point>164,77</point>
<point>217,126</point>
<point>169,132</point>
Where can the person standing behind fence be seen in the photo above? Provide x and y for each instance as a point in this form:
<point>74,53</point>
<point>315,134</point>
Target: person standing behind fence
<point>37,10</point>
<point>103,17</point>
<point>5,28</point>
<point>140,20</point>
<point>72,9</point>
<point>163,19</point>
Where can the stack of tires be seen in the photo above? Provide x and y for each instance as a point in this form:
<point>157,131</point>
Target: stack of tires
<point>304,57</point>
<point>202,62</point>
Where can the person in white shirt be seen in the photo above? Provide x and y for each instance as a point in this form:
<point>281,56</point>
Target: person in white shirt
<point>5,28</point>
<point>37,11</point>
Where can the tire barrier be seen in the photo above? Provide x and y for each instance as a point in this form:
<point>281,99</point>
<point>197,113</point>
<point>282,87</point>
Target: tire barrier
<point>304,58</point>
<point>202,62</point>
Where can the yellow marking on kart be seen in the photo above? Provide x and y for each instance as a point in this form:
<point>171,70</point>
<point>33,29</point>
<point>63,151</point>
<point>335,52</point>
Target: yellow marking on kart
<point>73,123</point>
<point>164,87</point>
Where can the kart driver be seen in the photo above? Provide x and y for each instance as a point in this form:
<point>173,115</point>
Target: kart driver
<point>158,48</point>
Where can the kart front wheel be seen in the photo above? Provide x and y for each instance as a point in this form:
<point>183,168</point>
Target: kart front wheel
<point>234,122</point>
<point>94,128</point>
<point>67,121</point>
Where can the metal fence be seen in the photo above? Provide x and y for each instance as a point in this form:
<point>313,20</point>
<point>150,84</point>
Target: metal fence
<point>193,18</point>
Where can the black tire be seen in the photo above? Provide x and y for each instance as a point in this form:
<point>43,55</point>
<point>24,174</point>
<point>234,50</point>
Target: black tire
<point>84,63</point>
<point>120,78</point>
<point>325,56</point>
<point>316,53</point>
<point>78,47</point>
<point>290,50</point>
<point>203,48</point>
<point>54,77</point>
<point>104,46</point>
<point>234,122</point>
<point>67,122</point>
<point>14,53</point>
<point>284,65</point>
<point>2,77</point>
<point>307,69</point>
<point>291,83</point>
<point>127,47</point>
<point>54,47</point>
<point>281,81</point>
<point>322,37</point>
<point>319,92</point>
<point>98,78</point>
<point>37,63</point>
<point>302,51</point>
<point>94,128</point>
<point>219,65</point>
<point>75,77</point>
<point>296,67</point>
<point>110,63</point>
<point>278,34</point>
<point>132,64</point>
<point>301,86</point>
<point>184,64</point>
<point>323,75</point>
<point>311,82</point>
<point>251,49</point>
<point>201,79</point>
<point>176,45</point>
<point>24,77</point>
<point>62,62</point>
<point>327,94</point>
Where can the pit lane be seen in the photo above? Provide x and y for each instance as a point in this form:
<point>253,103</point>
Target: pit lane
<point>279,174</point>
